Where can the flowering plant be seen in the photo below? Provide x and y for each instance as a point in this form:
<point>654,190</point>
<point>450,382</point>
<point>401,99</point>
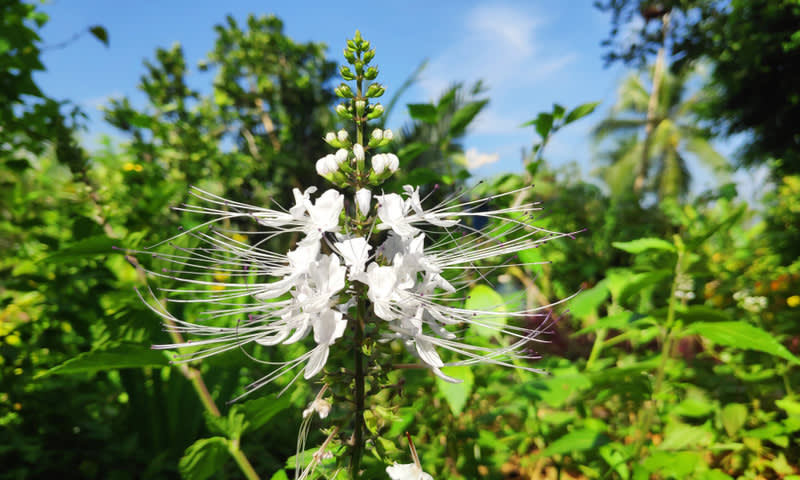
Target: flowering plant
<point>367,268</point>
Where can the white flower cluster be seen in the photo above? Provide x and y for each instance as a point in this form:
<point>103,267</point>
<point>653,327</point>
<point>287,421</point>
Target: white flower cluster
<point>751,303</point>
<point>408,264</point>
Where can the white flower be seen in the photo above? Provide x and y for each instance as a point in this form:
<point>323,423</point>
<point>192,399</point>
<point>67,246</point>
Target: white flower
<point>385,161</point>
<point>363,199</point>
<point>342,135</point>
<point>355,253</point>
<point>341,156</point>
<point>377,134</point>
<point>328,327</point>
<point>325,212</point>
<point>387,134</point>
<point>408,471</point>
<point>414,261</point>
<point>358,152</point>
<point>327,165</point>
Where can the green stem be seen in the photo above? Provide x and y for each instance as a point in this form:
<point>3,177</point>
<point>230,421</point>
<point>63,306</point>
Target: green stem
<point>241,460</point>
<point>196,378</point>
<point>597,346</point>
<point>358,414</point>
<point>666,353</point>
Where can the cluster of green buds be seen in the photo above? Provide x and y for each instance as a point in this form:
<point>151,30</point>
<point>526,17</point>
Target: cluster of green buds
<point>348,166</point>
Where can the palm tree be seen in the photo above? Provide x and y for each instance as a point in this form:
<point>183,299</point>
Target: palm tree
<point>655,135</point>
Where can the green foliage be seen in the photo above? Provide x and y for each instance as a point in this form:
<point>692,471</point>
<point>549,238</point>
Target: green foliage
<point>677,358</point>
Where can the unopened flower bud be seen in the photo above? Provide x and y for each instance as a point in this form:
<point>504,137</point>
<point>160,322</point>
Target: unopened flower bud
<point>387,134</point>
<point>376,112</point>
<point>342,135</point>
<point>358,152</point>
<point>360,106</point>
<point>346,73</point>
<point>371,73</point>
<point>343,91</point>
<point>368,55</point>
<point>375,90</point>
<point>341,110</point>
<point>379,162</point>
<point>376,137</point>
<point>349,55</point>
<point>330,139</point>
<point>392,163</point>
<point>341,156</point>
<point>327,165</point>
<point>363,198</point>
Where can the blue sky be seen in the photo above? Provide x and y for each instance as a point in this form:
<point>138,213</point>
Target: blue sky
<point>529,53</point>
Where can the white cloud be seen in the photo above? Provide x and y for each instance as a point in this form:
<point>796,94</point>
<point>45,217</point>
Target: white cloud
<point>498,44</point>
<point>476,159</point>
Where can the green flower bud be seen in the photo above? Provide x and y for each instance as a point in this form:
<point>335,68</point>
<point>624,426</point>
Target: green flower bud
<point>360,106</point>
<point>345,72</point>
<point>371,73</point>
<point>343,91</point>
<point>376,111</point>
<point>349,56</point>
<point>369,55</point>
<point>359,66</point>
<point>375,90</point>
<point>351,45</point>
<point>341,110</point>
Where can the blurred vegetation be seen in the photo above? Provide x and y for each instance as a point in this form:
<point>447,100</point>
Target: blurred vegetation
<point>678,359</point>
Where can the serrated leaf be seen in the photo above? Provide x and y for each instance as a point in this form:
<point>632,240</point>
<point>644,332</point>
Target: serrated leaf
<point>643,244</point>
<point>575,441</point>
<point>456,394</point>
<point>88,247</point>
<point>742,335</point>
<point>116,356</point>
<point>580,111</point>
<point>464,116</point>
<point>99,33</point>
<point>484,299</point>
<point>424,112</point>
<point>204,458</point>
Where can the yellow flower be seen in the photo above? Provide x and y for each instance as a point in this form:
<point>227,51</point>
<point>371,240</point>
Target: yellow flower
<point>793,301</point>
<point>128,166</point>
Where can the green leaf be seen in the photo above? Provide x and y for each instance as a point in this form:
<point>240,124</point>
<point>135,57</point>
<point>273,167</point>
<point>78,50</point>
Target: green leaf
<point>543,123</point>
<point>558,111</point>
<point>259,411</point>
<point>456,394</point>
<point>204,458</point>
<point>588,301</point>
<point>733,417</point>
<point>464,116</point>
<point>484,299</point>
<point>643,244</point>
<point>88,247</point>
<point>693,408</point>
<point>412,151</point>
<point>122,355</point>
<point>700,313</point>
<point>580,111</point>
<point>424,112</point>
<point>99,33</point>
<point>640,281</point>
<point>680,436</point>
<point>742,335</point>
<point>575,441</point>
<point>280,475</point>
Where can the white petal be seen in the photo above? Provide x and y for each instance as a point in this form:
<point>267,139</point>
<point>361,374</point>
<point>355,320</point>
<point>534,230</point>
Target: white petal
<point>363,198</point>
<point>316,361</point>
<point>427,352</point>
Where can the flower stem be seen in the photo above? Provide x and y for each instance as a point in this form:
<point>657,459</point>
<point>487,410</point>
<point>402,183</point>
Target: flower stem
<point>358,414</point>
